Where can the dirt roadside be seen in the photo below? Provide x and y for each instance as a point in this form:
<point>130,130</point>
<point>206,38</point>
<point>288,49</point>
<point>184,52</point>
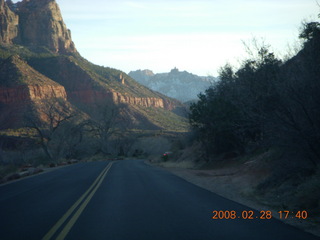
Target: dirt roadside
<point>236,184</point>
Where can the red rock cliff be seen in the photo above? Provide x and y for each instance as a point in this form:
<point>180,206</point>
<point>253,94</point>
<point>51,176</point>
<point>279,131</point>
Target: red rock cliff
<point>145,102</point>
<point>21,94</point>
<point>89,96</point>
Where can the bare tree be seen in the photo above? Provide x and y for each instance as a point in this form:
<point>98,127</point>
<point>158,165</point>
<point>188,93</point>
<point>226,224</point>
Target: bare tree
<point>123,143</point>
<point>46,119</point>
<point>111,121</point>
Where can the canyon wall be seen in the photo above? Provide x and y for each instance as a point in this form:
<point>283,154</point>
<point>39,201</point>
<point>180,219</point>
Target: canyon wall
<point>26,93</point>
<point>89,96</point>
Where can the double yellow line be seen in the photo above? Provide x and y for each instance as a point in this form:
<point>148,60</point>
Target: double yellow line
<point>84,199</point>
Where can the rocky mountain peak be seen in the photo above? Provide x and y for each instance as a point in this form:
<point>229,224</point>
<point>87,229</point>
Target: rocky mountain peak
<point>34,3</point>
<point>35,23</point>
<point>8,24</point>
<point>142,75</point>
<point>148,72</point>
<point>174,71</point>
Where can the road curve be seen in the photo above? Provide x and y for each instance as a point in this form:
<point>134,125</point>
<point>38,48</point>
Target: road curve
<point>125,200</point>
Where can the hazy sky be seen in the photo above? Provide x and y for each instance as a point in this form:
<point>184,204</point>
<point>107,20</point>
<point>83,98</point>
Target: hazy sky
<point>198,36</point>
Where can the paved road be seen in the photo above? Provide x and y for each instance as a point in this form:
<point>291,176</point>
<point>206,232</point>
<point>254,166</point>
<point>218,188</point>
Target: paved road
<point>124,200</point>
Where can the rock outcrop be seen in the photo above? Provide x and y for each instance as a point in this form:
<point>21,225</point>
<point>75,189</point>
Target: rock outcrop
<point>27,93</point>
<point>145,102</point>
<point>8,24</point>
<point>35,23</point>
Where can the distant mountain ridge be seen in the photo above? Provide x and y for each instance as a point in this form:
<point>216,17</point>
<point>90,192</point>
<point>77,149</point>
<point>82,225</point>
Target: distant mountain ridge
<point>183,86</point>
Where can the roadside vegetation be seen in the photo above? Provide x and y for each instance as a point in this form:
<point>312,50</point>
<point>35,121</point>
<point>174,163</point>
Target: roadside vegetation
<point>265,103</point>
<point>62,135</point>
<point>258,128</point>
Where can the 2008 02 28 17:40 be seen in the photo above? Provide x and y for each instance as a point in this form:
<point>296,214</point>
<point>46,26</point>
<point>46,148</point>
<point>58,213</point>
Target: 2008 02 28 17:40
<point>250,214</point>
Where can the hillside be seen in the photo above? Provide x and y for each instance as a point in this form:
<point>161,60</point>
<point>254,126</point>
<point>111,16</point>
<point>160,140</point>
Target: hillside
<point>46,46</point>
<point>47,89</point>
<point>183,86</point>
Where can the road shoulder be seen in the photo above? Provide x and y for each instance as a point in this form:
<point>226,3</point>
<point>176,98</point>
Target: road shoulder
<point>236,186</point>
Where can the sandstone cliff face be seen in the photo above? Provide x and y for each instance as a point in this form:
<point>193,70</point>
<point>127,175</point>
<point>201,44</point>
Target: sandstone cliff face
<point>41,24</point>
<point>90,96</point>
<point>8,24</point>
<point>35,23</point>
<point>37,92</point>
<point>23,94</point>
<point>145,102</point>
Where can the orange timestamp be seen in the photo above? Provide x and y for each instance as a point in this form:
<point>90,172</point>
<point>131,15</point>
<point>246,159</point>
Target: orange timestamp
<point>250,214</point>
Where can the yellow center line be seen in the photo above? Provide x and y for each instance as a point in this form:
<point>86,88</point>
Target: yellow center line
<point>95,185</point>
<point>75,217</point>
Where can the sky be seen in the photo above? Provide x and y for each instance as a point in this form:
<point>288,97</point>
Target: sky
<point>198,36</point>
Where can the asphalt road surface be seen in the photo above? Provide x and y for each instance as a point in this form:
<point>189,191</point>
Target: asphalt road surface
<point>126,200</point>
